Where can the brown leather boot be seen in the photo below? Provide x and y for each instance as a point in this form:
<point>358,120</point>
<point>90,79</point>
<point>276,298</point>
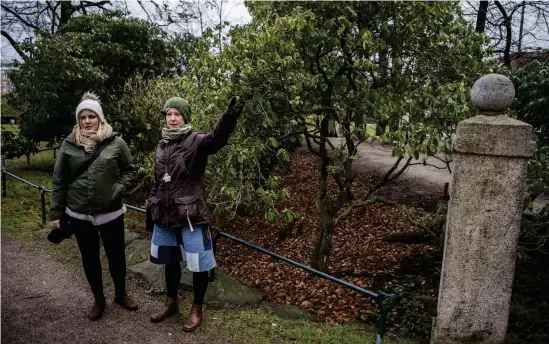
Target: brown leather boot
<point>126,302</point>
<point>194,319</point>
<point>169,309</point>
<point>96,312</point>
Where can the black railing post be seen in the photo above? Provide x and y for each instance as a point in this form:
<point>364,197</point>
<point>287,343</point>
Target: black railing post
<point>43,203</point>
<point>384,307</point>
<point>3,180</point>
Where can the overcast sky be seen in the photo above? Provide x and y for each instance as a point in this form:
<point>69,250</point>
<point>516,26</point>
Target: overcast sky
<point>236,13</point>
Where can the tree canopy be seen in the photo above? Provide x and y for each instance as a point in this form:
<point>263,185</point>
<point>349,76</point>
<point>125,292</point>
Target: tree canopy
<point>96,52</point>
<point>407,66</point>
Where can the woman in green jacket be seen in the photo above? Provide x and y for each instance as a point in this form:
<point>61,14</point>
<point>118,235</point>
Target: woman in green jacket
<point>91,202</point>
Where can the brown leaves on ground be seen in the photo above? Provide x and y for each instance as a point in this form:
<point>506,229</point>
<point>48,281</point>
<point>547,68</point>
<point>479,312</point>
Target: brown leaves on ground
<point>359,256</point>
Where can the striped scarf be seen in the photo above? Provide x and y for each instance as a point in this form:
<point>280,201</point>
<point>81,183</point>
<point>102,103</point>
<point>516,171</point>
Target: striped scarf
<point>169,135</point>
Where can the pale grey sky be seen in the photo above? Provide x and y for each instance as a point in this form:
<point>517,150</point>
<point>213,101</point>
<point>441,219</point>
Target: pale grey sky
<point>234,12</point>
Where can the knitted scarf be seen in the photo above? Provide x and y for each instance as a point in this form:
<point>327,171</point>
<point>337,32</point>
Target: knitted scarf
<point>89,139</point>
<point>169,135</point>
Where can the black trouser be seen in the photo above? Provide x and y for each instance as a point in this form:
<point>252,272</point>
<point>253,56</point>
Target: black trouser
<point>112,234</point>
<point>173,278</point>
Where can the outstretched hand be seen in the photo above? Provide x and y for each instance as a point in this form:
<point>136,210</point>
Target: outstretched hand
<point>236,105</point>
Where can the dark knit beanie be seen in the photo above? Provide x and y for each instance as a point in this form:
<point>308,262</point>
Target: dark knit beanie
<point>181,105</point>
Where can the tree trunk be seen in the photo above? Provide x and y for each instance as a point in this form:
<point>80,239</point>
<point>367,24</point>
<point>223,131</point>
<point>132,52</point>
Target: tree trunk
<point>67,10</point>
<point>508,36</point>
<point>323,244</point>
<point>481,16</point>
<point>381,126</point>
<point>521,27</point>
<point>347,165</point>
<point>332,132</point>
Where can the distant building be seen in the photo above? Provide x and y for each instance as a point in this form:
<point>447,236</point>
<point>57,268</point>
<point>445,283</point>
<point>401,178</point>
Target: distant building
<point>5,82</point>
<point>519,60</point>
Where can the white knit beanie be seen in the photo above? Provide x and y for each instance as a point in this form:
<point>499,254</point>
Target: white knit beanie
<point>90,102</point>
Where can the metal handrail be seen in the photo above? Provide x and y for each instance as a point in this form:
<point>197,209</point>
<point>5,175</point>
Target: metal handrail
<point>384,301</point>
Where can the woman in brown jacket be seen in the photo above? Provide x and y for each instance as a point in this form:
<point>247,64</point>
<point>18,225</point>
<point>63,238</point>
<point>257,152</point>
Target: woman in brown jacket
<point>177,204</point>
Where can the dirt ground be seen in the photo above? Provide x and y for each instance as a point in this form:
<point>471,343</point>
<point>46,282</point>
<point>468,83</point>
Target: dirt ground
<point>45,302</point>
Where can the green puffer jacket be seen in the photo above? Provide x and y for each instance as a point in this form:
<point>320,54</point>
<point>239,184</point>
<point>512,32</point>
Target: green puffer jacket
<point>98,190</point>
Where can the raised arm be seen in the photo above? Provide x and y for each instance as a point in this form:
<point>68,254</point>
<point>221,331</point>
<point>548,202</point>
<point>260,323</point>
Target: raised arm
<point>212,142</point>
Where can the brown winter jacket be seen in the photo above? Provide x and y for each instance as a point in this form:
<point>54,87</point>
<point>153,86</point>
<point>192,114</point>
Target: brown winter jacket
<point>175,203</point>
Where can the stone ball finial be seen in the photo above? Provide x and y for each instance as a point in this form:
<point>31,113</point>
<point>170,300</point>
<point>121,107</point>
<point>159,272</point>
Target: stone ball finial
<point>493,93</point>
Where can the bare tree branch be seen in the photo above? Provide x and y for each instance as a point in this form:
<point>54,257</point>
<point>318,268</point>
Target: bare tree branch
<point>100,4</point>
<point>399,173</point>
<point>83,8</point>
<point>23,21</point>
<point>535,26</point>
<point>507,23</point>
<point>145,10</point>
<point>54,16</point>
<point>14,44</point>
<point>310,146</point>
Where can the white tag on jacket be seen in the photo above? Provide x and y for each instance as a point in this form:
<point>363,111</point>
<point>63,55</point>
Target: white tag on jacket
<point>167,178</point>
<point>190,224</point>
<point>189,220</point>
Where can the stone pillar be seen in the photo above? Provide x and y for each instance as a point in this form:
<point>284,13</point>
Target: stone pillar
<point>491,152</point>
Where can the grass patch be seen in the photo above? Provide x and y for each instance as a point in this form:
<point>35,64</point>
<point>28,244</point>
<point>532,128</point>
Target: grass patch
<point>258,325</point>
<point>41,161</point>
<point>371,130</point>
<point>14,128</point>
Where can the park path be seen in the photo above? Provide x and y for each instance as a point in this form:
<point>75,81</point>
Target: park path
<point>418,185</point>
<point>46,302</point>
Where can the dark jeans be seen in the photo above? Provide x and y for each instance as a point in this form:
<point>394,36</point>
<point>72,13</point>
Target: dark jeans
<point>173,278</point>
<point>112,234</point>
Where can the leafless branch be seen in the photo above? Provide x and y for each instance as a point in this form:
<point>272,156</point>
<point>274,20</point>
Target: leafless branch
<point>402,169</point>
<point>145,10</point>
<point>310,146</point>
<point>21,19</point>
<point>13,43</point>
<point>99,4</point>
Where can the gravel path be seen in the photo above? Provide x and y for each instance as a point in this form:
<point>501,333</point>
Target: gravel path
<point>46,302</point>
<point>418,185</point>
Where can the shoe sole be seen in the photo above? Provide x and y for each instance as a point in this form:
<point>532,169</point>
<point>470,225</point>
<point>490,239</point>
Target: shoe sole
<point>163,318</point>
<point>189,330</point>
